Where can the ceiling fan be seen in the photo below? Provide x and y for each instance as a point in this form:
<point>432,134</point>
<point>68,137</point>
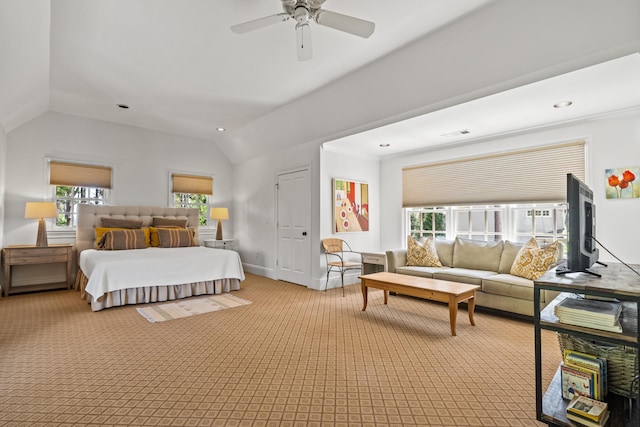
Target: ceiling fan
<point>304,11</point>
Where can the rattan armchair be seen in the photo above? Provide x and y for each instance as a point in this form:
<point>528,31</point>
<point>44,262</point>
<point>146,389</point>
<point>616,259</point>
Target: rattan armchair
<point>340,258</point>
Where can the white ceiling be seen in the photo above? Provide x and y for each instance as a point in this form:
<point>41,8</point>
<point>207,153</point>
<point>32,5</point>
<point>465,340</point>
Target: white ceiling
<point>612,86</point>
<point>181,70</point>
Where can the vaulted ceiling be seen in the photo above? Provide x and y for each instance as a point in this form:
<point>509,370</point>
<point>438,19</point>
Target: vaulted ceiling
<point>180,69</point>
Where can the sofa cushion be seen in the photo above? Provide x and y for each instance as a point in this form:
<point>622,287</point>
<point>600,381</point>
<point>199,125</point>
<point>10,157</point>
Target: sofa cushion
<point>418,271</point>
<point>509,253</point>
<point>445,251</point>
<point>422,255</point>
<point>477,255</point>
<point>508,285</point>
<point>462,275</point>
<point>533,261</point>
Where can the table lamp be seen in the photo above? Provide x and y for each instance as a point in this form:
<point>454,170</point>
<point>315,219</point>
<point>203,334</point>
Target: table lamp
<point>40,211</point>
<point>219,214</point>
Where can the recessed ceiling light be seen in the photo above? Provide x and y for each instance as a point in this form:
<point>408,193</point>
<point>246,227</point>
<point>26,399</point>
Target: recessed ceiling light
<point>123,106</point>
<point>562,104</point>
<point>384,145</point>
<point>221,129</point>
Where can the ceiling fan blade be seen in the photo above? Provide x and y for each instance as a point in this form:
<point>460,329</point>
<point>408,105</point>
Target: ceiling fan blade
<point>303,42</point>
<point>348,24</point>
<point>259,23</point>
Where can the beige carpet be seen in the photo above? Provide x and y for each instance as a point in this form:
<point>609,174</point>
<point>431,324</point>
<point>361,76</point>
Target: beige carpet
<point>159,312</point>
<point>292,357</point>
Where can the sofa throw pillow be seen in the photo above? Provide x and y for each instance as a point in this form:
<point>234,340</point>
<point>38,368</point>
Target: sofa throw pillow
<point>175,237</point>
<point>422,255</point>
<point>533,261</point>
<point>114,240</point>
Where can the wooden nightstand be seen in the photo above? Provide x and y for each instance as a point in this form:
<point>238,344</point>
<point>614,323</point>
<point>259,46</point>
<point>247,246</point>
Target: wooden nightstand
<point>31,254</point>
<point>221,244</point>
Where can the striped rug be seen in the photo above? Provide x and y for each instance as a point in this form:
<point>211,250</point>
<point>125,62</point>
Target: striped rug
<point>190,307</point>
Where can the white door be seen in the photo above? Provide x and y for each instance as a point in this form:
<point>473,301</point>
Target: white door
<point>294,218</point>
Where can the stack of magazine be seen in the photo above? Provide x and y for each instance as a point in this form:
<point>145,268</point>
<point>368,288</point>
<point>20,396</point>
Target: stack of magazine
<point>588,412</point>
<point>590,313</point>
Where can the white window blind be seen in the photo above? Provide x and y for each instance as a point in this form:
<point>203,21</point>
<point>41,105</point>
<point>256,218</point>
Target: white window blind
<point>537,175</point>
<point>193,184</point>
<point>79,175</point>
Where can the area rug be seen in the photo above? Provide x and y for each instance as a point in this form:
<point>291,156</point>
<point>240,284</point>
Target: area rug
<point>190,307</point>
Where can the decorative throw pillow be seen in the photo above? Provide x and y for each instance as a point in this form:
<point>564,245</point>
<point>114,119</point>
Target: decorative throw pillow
<point>154,238</point>
<point>121,223</point>
<point>422,255</point>
<point>175,237</point>
<point>100,231</point>
<point>533,261</point>
<point>123,239</point>
<point>168,222</point>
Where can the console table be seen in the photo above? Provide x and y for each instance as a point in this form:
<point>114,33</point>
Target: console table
<point>617,282</point>
<point>373,262</point>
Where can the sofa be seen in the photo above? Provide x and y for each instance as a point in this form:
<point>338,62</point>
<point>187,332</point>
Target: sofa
<point>487,264</point>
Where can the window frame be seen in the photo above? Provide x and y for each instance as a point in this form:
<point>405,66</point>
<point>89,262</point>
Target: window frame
<point>204,213</point>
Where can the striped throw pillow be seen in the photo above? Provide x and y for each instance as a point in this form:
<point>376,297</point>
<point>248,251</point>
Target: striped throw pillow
<point>114,240</point>
<point>175,237</point>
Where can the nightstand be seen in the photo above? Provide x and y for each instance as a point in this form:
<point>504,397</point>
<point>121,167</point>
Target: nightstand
<point>32,255</point>
<point>221,244</point>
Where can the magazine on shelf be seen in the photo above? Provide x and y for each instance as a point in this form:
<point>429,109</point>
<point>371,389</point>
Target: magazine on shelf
<point>585,407</point>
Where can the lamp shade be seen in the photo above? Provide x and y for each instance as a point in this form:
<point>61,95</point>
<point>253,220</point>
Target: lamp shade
<point>39,210</point>
<point>219,213</point>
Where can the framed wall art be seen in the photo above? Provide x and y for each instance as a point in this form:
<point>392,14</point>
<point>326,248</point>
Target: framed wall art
<point>350,206</point>
<point>621,183</point>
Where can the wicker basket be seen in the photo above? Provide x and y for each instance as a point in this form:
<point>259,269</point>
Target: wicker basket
<point>622,363</point>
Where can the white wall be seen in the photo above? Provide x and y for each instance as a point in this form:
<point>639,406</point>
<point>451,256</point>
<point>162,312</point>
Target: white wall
<point>254,208</point>
<point>343,166</point>
<point>612,142</point>
<point>3,179</point>
<point>141,161</point>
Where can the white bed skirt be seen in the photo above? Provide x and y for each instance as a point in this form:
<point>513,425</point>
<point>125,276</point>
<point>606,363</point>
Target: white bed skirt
<point>149,294</point>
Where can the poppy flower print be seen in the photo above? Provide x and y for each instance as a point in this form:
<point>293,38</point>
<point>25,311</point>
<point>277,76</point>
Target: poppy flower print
<point>621,183</point>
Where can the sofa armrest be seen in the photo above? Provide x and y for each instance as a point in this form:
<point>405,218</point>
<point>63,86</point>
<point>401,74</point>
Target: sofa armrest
<point>396,258</point>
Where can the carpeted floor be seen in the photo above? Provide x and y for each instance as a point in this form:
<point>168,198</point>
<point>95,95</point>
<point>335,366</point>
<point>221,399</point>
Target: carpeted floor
<point>292,357</point>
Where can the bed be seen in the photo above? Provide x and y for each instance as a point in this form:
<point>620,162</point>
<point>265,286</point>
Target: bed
<point>110,278</point>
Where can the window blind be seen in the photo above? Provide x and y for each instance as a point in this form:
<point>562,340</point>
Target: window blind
<point>191,184</point>
<point>79,175</point>
<point>537,175</point>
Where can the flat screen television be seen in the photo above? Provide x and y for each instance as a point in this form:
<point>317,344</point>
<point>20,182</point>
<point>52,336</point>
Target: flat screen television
<point>581,228</point>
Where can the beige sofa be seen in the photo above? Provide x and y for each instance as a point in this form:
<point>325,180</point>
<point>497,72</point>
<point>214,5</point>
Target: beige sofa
<point>486,264</point>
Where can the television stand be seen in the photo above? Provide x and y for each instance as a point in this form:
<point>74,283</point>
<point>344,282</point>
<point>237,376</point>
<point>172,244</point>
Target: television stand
<point>563,269</point>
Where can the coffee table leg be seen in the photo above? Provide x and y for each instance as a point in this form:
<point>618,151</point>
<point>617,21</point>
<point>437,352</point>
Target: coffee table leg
<point>471,306</point>
<point>453,314</point>
<point>365,292</point>
<point>386,296</point>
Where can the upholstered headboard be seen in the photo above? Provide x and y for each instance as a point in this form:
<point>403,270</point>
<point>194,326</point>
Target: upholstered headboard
<point>89,216</point>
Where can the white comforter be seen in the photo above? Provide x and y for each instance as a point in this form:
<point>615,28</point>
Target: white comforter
<point>109,271</point>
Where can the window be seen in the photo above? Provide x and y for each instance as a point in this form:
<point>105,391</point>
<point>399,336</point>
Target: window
<point>192,191</point>
<point>427,222</point>
<point>516,222</point>
<point>75,184</point>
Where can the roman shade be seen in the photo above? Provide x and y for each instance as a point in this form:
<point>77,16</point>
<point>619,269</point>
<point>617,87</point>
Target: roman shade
<point>536,175</point>
<point>79,175</point>
<point>192,184</point>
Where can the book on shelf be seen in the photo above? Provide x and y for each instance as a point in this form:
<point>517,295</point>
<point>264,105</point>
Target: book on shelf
<point>576,382</point>
<point>587,408</point>
<point>589,361</point>
<point>596,314</point>
<point>587,422</point>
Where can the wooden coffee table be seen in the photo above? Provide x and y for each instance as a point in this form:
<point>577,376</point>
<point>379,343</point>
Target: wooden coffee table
<point>422,287</point>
